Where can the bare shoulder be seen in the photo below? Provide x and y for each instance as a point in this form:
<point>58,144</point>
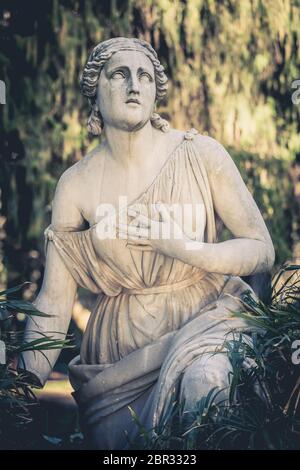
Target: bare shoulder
<point>176,135</point>
<point>77,177</point>
<point>71,191</point>
<point>173,138</point>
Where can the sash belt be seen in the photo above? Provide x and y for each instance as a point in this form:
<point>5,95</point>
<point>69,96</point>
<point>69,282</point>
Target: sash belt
<point>166,287</point>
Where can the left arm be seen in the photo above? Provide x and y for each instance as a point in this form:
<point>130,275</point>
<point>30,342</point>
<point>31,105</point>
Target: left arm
<point>251,250</point>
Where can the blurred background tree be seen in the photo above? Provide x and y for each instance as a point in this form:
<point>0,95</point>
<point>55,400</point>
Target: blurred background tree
<point>231,66</point>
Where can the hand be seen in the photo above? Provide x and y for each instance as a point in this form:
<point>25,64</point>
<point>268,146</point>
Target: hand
<point>161,233</point>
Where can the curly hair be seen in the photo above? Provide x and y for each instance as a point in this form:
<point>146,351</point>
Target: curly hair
<point>91,73</point>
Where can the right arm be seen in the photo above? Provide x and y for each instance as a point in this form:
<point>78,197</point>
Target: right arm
<point>58,291</point>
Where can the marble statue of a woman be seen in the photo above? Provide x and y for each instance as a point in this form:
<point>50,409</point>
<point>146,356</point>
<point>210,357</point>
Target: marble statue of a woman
<point>166,287</point>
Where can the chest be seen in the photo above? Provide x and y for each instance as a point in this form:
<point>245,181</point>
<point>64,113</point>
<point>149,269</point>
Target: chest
<point>175,184</point>
<point>112,188</point>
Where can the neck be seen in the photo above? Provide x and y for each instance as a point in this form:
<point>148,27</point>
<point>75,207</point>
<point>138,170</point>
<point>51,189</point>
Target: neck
<point>128,147</point>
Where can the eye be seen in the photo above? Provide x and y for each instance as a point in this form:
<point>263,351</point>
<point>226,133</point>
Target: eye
<point>145,77</point>
<point>118,75</point>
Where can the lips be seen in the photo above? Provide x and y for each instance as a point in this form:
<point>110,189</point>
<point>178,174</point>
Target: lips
<point>133,100</point>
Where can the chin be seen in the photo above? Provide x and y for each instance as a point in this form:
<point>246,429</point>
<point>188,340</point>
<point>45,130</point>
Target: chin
<point>134,124</point>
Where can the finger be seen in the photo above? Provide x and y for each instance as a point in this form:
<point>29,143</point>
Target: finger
<point>163,211</point>
<point>121,232</point>
<point>132,212</point>
<point>138,232</point>
<point>135,207</point>
<point>131,228</point>
<point>121,226</point>
<point>128,236</point>
<point>140,221</point>
<point>139,215</point>
<point>140,242</point>
<point>143,219</point>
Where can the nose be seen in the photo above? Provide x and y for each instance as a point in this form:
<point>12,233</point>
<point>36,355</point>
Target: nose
<point>133,84</point>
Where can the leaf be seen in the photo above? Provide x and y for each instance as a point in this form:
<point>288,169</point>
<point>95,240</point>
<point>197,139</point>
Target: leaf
<point>25,307</point>
<point>53,440</point>
<point>14,289</point>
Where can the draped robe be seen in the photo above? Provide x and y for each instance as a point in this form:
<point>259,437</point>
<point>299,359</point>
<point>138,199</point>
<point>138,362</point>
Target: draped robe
<point>154,316</point>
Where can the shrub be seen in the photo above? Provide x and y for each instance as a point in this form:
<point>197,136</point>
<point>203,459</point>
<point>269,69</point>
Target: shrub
<point>16,395</point>
<point>263,407</point>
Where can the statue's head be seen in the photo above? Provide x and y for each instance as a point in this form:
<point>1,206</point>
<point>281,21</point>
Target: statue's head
<point>123,79</point>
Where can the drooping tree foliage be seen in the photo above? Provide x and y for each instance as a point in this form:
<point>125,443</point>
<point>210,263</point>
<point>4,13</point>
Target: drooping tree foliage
<point>231,66</point>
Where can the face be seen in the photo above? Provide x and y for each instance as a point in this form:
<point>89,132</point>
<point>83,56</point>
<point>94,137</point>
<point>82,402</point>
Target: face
<point>126,90</point>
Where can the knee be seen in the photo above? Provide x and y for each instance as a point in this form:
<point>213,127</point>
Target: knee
<point>202,375</point>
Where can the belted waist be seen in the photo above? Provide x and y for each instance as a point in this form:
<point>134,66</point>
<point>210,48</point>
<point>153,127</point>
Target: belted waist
<point>165,288</point>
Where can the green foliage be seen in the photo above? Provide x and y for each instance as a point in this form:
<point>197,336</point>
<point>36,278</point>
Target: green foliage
<point>270,184</point>
<point>263,409</point>
<point>16,395</point>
